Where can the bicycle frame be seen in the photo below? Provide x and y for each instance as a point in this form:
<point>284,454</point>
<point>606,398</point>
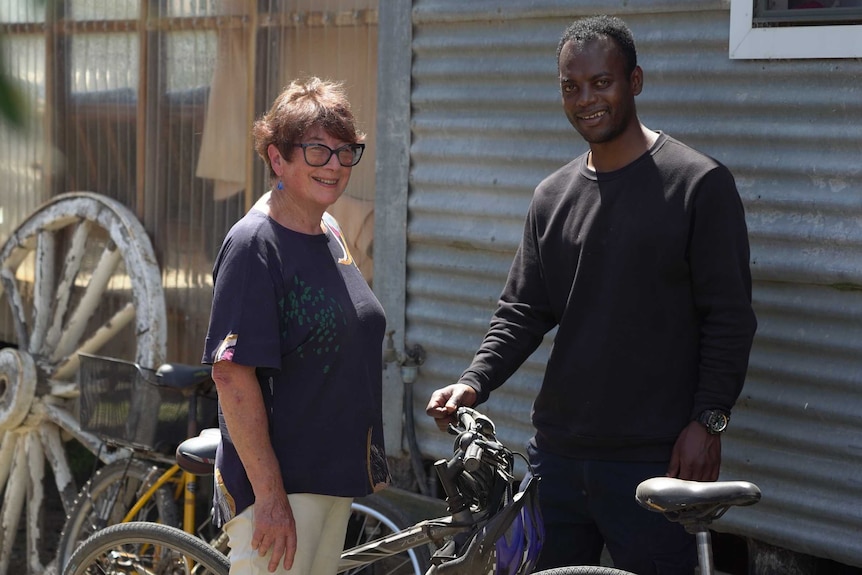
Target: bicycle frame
<point>422,533</point>
<point>187,482</point>
<point>477,547</point>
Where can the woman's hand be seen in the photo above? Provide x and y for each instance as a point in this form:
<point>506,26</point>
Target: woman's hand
<point>274,529</point>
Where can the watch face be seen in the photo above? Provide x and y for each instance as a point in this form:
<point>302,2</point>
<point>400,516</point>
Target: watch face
<point>717,422</point>
<point>714,420</point>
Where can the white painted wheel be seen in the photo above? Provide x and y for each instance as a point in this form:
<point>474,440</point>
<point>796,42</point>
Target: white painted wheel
<point>17,387</point>
<point>79,275</point>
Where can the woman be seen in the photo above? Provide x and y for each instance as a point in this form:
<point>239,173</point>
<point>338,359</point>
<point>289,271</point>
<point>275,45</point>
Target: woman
<point>295,340</point>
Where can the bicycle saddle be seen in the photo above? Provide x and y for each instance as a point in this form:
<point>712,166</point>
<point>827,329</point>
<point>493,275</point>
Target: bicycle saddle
<point>179,376</point>
<point>671,495</point>
<point>197,454</point>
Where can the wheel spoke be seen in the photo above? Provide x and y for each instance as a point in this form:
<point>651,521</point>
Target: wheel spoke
<point>111,258</point>
<point>19,318</point>
<point>13,503</point>
<point>44,288</point>
<point>49,434</point>
<point>7,452</point>
<point>102,335</point>
<point>71,267</point>
<point>374,518</point>
<point>35,496</point>
<point>70,424</point>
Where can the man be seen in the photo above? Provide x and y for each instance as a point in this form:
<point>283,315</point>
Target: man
<point>638,252</point>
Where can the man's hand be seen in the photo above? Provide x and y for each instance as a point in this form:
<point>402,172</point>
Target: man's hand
<point>696,454</point>
<point>274,528</point>
<point>444,402</point>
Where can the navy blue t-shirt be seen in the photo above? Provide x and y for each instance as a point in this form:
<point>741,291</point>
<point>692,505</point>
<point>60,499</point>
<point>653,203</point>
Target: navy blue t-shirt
<point>296,307</point>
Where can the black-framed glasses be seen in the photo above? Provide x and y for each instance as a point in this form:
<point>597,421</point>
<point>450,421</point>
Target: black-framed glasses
<point>317,155</point>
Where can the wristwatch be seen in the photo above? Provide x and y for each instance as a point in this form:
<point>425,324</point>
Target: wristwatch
<point>714,420</point>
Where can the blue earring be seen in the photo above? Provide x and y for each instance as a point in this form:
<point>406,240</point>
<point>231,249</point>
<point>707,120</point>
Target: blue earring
<point>280,185</point>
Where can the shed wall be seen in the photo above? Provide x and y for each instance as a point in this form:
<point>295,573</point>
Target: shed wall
<point>151,104</point>
<point>487,126</point>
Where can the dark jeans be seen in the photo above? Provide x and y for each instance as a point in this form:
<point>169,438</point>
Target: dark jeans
<point>588,504</point>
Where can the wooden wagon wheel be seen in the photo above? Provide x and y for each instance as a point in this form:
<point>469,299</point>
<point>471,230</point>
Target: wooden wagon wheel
<point>79,275</point>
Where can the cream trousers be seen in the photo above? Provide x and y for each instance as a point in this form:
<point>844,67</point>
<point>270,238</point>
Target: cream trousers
<point>321,522</point>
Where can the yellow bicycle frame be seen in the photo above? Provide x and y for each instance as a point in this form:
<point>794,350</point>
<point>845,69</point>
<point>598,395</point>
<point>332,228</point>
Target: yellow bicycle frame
<point>187,482</point>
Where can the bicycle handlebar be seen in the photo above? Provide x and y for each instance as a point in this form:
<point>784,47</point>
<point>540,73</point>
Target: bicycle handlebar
<point>478,482</point>
<point>473,456</point>
<point>478,464</point>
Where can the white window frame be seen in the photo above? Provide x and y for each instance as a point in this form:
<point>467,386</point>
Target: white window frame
<point>747,42</point>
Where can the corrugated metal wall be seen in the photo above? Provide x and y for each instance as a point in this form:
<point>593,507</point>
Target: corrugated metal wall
<point>487,126</point>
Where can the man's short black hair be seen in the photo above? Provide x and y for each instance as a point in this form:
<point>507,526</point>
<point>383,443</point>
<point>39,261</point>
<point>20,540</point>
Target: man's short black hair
<point>593,27</point>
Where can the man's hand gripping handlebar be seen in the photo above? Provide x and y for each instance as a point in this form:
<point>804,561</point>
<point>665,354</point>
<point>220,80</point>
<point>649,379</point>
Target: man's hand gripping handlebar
<point>444,403</point>
<point>478,464</point>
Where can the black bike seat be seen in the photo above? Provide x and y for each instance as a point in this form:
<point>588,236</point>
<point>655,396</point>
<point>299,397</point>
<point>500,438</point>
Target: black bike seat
<point>181,376</point>
<point>668,494</point>
<point>197,454</point>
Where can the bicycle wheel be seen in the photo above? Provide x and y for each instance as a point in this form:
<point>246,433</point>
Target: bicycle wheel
<point>374,517</point>
<point>144,547</point>
<point>583,570</point>
<point>108,496</point>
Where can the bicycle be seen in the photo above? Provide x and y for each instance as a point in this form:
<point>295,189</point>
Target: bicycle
<point>478,480</point>
<point>693,504</point>
<point>488,528</point>
<point>137,413</point>
<point>142,547</point>
<point>147,483</point>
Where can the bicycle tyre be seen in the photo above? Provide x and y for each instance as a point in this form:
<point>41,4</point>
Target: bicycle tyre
<point>373,517</point>
<point>142,546</point>
<point>583,570</point>
<point>90,512</point>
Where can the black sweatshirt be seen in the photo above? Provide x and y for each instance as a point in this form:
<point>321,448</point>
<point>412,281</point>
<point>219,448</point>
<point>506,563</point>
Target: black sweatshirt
<point>645,271</point>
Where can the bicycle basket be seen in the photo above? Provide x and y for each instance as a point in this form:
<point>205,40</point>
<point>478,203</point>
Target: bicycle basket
<point>122,404</point>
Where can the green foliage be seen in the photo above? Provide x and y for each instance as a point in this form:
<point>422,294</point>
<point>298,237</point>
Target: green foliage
<point>12,106</point>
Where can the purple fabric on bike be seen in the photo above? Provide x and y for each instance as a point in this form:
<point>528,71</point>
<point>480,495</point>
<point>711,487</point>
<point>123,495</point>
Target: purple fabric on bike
<point>297,308</point>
